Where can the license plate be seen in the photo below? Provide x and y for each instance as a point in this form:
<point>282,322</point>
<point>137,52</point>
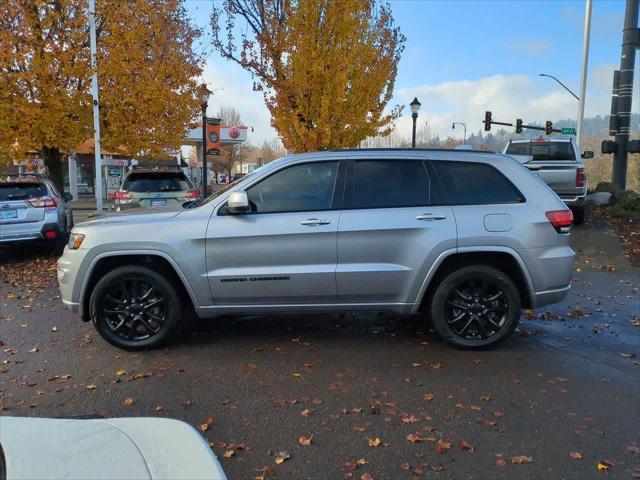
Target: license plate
<point>6,214</point>
<point>155,203</point>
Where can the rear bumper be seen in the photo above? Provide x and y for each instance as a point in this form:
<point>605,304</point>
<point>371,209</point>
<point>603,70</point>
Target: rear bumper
<point>34,231</point>
<point>573,200</point>
<point>550,296</point>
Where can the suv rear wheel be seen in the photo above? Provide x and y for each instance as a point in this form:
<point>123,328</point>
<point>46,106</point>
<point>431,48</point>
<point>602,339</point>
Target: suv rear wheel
<point>475,307</point>
<point>135,307</point>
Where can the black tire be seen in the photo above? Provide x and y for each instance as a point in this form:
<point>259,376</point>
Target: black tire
<point>578,215</point>
<point>130,318</point>
<point>487,321</point>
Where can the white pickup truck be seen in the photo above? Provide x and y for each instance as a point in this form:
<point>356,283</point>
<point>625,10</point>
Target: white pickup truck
<point>559,163</point>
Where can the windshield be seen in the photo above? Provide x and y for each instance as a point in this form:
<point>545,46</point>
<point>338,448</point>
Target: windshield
<point>543,150</point>
<point>21,190</point>
<point>157,182</point>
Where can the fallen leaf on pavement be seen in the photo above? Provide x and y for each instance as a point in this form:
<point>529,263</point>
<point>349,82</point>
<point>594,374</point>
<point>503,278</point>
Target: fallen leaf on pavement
<point>306,412</point>
<point>362,461</point>
<point>442,446</point>
<point>501,462</point>
<point>33,350</point>
<point>521,459</point>
<point>604,465</point>
<point>410,419</point>
<point>350,466</point>
<point>159,408</point>
<point>375,442</point>
<point>633,448</point>
<point>485,398</point>
<point>281,457</point>
<point>128,402</point>
<point>428,396</point>
<point>366,476</point>
<point>121,372</point>
<point>91,387</point>
<point>306,441</point>
<point>203,427</point>
<point>228,453</point>
<point>575,455</point>
<point>465,447</point>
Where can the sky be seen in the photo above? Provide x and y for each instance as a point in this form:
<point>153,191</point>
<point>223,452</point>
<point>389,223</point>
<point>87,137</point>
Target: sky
<point>464,57</point>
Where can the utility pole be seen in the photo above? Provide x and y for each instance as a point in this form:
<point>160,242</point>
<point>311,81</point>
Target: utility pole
<point>630,41</point>
<point>585,62</point>
<point>96,105</point>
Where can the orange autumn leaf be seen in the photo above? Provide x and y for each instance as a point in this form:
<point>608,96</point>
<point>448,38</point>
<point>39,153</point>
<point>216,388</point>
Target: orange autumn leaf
<point>128,402</point>
<point>375,442</point>
<point>203,427</point>
<point>442,446</point>
<point>575,455</point>
<point>521,459</point>
<point>306,441</point>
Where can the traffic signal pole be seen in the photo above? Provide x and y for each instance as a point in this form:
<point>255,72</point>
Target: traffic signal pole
<point>630,41</point>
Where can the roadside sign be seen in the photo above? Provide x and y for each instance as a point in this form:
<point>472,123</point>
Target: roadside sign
<point>568,131</point>
<point>120,162</point>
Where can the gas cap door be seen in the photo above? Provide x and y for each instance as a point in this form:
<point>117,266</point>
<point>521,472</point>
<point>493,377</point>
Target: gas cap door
<point>497,222</point>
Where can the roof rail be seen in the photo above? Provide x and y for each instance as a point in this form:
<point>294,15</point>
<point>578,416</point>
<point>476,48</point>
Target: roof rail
<point>408,149</point>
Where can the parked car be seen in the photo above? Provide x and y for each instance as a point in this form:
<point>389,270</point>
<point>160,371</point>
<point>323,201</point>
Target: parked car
<point>558,162</point>
<point>237,176</point>
<point>32,208</point>
<point>104,449</point>
<point>222,178</point>
<point>464,238</point>
<point>155,187</point>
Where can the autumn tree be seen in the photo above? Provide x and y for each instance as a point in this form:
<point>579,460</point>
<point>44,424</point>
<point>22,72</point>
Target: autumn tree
<point>147,72</point>
<point>326,68</point>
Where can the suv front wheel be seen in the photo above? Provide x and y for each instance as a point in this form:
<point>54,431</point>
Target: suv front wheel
<point>475,307</point>
<point>135,307</point>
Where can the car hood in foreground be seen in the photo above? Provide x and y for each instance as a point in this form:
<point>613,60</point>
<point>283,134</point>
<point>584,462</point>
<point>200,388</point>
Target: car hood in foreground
<point>121,448</point>
<point>135,215</point>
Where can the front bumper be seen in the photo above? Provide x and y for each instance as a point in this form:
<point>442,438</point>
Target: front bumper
<point>68,265</point>
<point>549,297</point>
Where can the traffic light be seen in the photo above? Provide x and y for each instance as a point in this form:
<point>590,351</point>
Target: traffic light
<point>548,127</point>
<point>519,125</point>
<point>487,121</point>
<point>608,147</point>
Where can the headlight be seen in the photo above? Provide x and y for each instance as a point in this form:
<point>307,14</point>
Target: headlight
<point>75,240</point>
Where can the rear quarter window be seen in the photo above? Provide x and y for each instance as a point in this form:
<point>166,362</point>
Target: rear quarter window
<point>21,190</point>
<point>467,183</point>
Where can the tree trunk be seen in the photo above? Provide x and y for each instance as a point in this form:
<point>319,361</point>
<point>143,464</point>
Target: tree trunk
<point>53,162</point>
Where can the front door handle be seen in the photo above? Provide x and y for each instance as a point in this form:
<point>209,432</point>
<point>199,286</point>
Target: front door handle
<point>313,222</point>
<point>431,216</point>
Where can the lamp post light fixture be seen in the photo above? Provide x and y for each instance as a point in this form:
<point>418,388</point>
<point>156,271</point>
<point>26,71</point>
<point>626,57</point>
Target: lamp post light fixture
<point>453,127</point>
<point>204,99</point>
<point>415,108</point>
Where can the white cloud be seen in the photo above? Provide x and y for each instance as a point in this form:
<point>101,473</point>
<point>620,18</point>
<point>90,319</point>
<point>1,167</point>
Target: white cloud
<point>509,97</point>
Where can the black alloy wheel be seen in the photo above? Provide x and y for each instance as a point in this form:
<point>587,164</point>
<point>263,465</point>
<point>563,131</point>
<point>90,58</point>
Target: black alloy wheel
<point>476,307</point>
<point>135,307</point>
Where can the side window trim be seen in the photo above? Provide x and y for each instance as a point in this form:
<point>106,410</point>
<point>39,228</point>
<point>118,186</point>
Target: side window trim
<point>516,190</point>
<point>350,182</point>
<point>337,194</point>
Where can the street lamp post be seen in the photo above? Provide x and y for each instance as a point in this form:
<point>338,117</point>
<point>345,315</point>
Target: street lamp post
<point>204,98</point>
<point>563,85</point>
<point>415,108</point>
<point>453,127</point>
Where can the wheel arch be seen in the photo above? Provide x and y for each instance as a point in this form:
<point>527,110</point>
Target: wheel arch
<point>158,261</point>
<point>505,259</point>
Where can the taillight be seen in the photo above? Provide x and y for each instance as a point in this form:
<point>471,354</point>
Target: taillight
<point>43,202</point>
<point>561,220</point>
<point>192,194</point>
<point>123,196</point>
<point>50,234</point>
<point>580,177</point>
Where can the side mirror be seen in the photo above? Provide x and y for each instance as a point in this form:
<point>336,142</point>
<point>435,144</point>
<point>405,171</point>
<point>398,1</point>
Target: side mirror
<point>238,203</point>
<point>67,197</point>
<point>587,154</point>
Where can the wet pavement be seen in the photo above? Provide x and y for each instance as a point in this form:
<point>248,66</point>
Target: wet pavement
<point>377,394</point>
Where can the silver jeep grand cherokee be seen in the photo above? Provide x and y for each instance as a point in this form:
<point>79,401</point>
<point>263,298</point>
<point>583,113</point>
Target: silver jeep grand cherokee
<point>465,238</point>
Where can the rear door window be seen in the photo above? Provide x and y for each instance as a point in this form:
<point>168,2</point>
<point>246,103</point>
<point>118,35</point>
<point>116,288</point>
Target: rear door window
<point>142,182</point>
<point>21,190</point>
<point>387,184</point>
<point>543,151</point>
<point>467,183</point>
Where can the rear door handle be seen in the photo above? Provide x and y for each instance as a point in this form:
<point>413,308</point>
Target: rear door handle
<point>313,222</point>
<point>431,216</point>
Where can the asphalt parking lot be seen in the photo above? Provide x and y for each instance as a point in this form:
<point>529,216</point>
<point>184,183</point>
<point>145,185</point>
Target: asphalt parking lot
<point>367,396</point>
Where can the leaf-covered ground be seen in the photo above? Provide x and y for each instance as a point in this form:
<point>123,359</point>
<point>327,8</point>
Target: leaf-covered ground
<point>629,232</point>
<point>361,397</point>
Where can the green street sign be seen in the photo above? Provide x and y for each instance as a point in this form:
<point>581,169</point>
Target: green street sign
<point>568,131</point>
